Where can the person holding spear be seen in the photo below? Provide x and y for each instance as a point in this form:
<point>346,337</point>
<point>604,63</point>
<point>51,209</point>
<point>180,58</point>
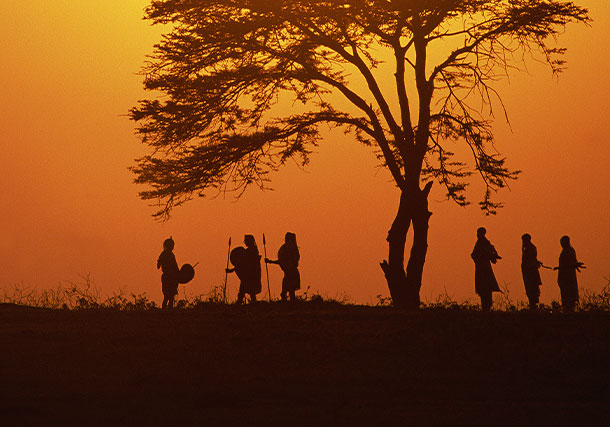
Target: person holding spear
<point>288,259</point>
<point>248,269</point>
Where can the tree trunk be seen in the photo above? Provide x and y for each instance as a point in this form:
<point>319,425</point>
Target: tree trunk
<point>404,285</point>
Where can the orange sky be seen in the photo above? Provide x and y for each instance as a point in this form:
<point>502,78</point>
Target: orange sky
<point>68,77</point>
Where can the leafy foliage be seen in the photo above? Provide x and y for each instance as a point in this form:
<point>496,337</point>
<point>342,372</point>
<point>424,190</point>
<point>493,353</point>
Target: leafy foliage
<point>247,84</point>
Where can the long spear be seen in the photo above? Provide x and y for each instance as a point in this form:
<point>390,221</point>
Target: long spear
<point>224,288</point>
<point>266,268</point>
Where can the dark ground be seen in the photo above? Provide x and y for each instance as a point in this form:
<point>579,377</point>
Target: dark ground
<point>309,364</point>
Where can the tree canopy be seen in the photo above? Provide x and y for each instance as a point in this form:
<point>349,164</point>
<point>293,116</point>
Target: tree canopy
<point>225,64</point>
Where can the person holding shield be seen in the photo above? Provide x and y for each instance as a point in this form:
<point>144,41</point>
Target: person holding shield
<point>170,277</point>
<point>247,266</point>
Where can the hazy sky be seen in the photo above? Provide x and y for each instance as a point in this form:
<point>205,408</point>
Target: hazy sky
<point>68,76</point>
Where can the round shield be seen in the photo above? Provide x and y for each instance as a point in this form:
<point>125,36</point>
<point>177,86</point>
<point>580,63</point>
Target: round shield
<point>237,256</point>
<point>186,274</point>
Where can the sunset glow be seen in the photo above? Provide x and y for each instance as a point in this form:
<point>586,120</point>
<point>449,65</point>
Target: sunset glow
<point>70,74</point>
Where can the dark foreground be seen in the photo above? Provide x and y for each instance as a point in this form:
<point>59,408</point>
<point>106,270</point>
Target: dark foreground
<point>305,365</point>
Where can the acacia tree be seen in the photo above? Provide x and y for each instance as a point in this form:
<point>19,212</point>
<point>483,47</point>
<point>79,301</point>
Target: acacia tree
<point>223,66</point>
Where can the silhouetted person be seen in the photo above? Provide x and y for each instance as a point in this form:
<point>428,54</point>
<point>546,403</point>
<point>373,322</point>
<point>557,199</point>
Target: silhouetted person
<point>288,259</point>
<point>248,269</point>
<point>169,278</point>
<point>566,277</point>
<point>530,267</point>
<point>483,255</point>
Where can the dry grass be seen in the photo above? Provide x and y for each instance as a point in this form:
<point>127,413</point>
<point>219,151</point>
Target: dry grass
<point>86,295</point>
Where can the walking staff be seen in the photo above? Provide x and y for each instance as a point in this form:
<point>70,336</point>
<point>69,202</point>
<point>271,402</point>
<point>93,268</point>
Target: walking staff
<point>266,268</point>
<point>224,288</point>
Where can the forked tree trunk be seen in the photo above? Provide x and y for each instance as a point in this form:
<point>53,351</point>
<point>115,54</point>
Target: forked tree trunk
<point>404,284</point>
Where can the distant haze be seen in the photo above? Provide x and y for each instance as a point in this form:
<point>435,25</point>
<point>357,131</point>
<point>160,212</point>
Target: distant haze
<point>68,76</point>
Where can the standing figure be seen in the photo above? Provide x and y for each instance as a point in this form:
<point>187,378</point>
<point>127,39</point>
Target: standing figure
<point>248,268</point>
<point>288,259</point>
<point>483,255</point>
<point>529,270</point>
<point>566,277</point>
<point>169,278</point>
